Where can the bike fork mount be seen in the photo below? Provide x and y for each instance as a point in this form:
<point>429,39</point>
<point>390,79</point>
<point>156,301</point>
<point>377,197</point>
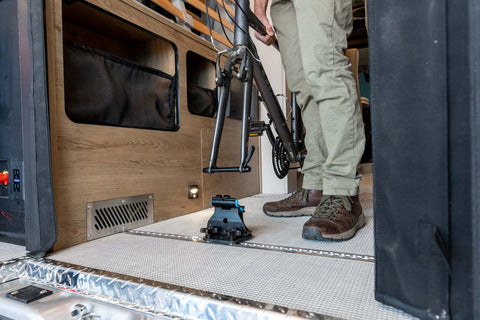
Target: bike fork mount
<point>226,226</point>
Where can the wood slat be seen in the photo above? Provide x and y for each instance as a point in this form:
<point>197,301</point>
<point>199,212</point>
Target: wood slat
<point>167,5</point>
<point>199,26</point>
<point>212,13</point>
<point>229,9</point>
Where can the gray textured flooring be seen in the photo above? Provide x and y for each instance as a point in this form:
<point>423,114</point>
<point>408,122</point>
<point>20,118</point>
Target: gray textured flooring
<point>329,286</point>
<point>10,251</point>
<point>279,231</point>
<point>335,287</point>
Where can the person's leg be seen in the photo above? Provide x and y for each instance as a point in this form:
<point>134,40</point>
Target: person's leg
<point>285,24</point>
<point>304,201</point>
<point>323,26</point>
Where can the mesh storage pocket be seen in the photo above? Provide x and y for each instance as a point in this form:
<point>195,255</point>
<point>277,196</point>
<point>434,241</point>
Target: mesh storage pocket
<point>12,223</point>
<point>201,101</point>
<point>101,88</point>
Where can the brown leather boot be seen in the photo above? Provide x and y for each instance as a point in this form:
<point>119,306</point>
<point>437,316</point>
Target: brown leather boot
<point>300,203</point>
<point>336,218</point>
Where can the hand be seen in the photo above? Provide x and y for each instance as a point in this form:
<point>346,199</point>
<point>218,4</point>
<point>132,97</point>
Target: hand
<point>269,38</point>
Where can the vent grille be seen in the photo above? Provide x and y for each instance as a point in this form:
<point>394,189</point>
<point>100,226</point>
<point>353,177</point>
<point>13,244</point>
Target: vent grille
<point>117,215</point>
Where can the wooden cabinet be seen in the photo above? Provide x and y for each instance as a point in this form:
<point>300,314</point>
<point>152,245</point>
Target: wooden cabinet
<point>97,162</point>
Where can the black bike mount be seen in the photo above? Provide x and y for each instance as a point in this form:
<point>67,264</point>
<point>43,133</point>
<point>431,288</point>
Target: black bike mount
<point>226,225</point>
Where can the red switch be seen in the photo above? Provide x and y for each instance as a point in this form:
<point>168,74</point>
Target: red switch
<point>4,178</point>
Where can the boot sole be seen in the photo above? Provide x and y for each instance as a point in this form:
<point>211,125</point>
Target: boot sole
<point>316,234</point>
<point>307,211</point>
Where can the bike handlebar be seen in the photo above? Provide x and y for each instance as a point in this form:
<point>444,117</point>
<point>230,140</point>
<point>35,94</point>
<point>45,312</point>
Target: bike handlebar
<point>258,26</point>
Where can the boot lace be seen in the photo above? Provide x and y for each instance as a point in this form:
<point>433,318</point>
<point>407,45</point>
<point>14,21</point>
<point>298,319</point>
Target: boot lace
<point>302,193</point>
<point>329,206</point>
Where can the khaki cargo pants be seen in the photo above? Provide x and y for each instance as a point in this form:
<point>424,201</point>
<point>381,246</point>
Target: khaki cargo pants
<point>312,35</point>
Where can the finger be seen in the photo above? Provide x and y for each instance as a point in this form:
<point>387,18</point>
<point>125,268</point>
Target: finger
<point>265,39</point>
<point>268,42</point>
<point>271,39</point>
<point>268,26</point>
<point>260,37</point>
<point>270,30</point>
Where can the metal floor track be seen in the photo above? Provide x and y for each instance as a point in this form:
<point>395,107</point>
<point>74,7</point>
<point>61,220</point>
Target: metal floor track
<point>285,271</point>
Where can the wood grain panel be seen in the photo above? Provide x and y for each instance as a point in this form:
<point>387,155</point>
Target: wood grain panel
<point>200,71</point>
<point>78,34</point>
<point>155,53</point>
<point>92,162</point>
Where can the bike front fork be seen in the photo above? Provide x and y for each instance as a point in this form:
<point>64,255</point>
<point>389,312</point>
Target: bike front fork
<point>248,68</point>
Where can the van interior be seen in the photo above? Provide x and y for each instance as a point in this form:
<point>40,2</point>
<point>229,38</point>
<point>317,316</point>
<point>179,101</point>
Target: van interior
<point>108,116</point>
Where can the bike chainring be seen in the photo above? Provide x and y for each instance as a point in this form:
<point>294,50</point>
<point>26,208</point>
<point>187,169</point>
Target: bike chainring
<point>281,164</point>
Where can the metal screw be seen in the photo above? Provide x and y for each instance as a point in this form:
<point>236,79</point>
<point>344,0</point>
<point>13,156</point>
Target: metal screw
<point>89,236</point>
<point>89,206</point>
<point>150,197</point>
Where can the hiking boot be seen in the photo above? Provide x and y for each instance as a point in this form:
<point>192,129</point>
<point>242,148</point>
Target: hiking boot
<point>300,203</point>
<point>336,218</point>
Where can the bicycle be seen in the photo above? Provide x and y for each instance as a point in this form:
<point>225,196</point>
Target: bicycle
<point>246,67</point>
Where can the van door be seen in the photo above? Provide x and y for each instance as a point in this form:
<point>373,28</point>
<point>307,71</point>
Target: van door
<point>26,196</point>
<point>424,72</point>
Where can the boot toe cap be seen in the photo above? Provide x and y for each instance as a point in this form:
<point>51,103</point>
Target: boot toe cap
<point>270,207</point>
<point>316,229</point>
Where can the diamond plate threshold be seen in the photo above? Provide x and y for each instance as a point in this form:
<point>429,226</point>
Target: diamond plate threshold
<point>152,297</point>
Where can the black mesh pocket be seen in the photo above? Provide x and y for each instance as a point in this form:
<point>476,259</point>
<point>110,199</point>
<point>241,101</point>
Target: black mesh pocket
<point>201,101</point>
<point>104,89</point>
<point>12,224</point>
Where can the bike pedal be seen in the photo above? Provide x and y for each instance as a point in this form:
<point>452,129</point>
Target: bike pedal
<point>256,128</point>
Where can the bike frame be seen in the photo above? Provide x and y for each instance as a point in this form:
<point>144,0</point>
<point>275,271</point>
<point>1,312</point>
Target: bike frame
<point>249,68</point>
